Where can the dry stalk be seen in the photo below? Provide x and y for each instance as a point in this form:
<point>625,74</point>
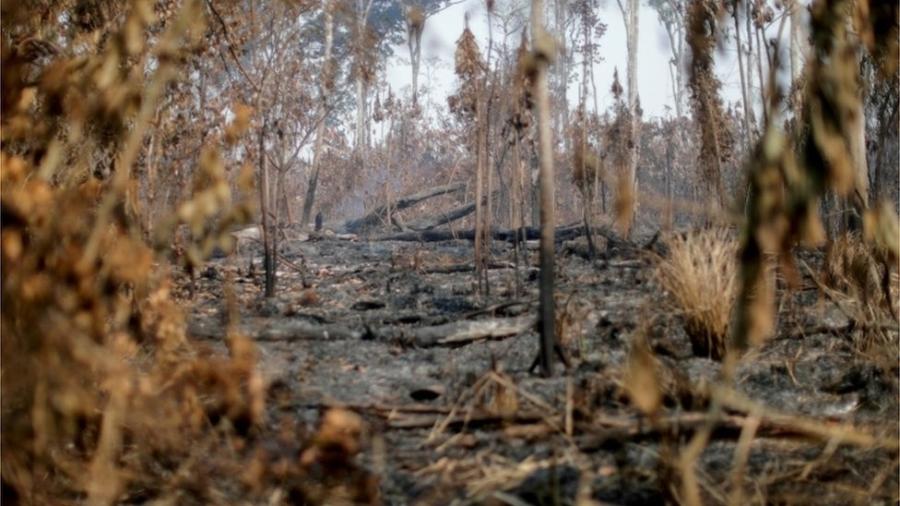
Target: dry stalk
<point>739,464</point>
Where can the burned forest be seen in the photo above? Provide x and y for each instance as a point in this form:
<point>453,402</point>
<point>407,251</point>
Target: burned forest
<point>450,252</point>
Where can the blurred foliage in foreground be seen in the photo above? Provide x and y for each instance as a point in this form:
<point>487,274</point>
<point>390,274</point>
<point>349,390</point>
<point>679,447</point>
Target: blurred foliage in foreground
<point>103,398</point>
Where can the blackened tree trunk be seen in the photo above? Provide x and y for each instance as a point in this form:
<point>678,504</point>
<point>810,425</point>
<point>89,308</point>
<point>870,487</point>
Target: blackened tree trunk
<point>542,47</point>
<point>267,234</point>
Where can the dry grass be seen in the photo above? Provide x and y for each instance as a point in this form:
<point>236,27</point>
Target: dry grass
<point>864,288</point>
<point>699,276</point>
<point>852,268</point>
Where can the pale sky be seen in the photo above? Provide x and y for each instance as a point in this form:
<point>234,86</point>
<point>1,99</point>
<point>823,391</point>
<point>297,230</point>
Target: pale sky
<point>654,86</point>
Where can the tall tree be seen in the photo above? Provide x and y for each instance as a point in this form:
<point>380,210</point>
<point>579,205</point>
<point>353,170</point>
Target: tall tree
<point>326,84</point>
<point>469,104</point>
<point>415,27</point>
<point>417,13</point>
<point>630,16</point>
<point>363,73</point>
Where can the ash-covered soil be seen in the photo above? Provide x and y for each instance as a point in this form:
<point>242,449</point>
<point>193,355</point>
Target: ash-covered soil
<point>467,421</point>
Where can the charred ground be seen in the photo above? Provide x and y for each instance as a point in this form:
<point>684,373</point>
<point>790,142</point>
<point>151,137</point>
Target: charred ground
<point>380,328</point>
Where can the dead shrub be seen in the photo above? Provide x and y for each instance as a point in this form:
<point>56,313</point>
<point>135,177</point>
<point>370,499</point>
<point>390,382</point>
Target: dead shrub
<point>699,276</point>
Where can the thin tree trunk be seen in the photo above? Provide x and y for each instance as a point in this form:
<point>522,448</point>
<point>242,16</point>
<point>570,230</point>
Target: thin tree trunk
<point>748,26</point>
<point>562,71</point>
<point>484,127</point>
<point>276,228</point>
<point>360,134</point>
<point>668,221</point>
<point>762,88</point>
<point>415,26</point>
<point>744,96</point>
<point>547,190</point>
<point>631,19</point>
<point>489,215</point>
<point>268,254</point>
<point>517,209</point>
<point>479,192</point>
<point>361,137</point>
<point>286,203</point>
<point>674,79</point>
<point>534,164</point>
<point>602,185</point>
<point>588,184</point>
<point>857,144</point>
<point>676,66</point>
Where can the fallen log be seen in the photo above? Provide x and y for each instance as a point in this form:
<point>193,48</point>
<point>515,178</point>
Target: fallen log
<point>455,268</point>
<point>510,235</point>
<point>379,214</point>
<point>448,334</point>
<point>467,331</point>
<point>444,218</point>
<point>298,330</point>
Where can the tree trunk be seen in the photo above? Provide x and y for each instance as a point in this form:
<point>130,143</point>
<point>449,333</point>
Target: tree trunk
<point>480,148</point>
<point>414,29</point>
<point>444,218</point>
<point>325,84</point>
<point>602,186</point>
<point>631,19</point>
<point>857,143</point>
<point>749,31</point>
<point>517,209</point>
<point>762,87</point>
<point>547,190</point>
<point>268,253</point>
<point>675,30</point>
<point>744,96</point>
<point>285,201</point>
<point>669,219</point>
<point>534,164</point>
<point>360,134</point>
<point>562,71</point>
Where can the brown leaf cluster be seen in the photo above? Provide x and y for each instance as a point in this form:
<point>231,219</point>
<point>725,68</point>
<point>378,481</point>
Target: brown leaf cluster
<point>470,68</point>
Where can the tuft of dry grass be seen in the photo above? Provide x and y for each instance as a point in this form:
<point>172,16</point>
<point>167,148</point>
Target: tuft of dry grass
<point>862,284</point>
<point>699,276</point>
<point>851,269</point>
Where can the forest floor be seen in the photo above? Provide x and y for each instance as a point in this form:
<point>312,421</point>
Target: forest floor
<point>395,332</point>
